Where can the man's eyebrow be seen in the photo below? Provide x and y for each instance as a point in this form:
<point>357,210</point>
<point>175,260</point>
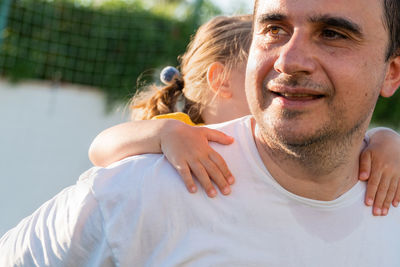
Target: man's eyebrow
<point>261,19</point>
<point>338,22</point>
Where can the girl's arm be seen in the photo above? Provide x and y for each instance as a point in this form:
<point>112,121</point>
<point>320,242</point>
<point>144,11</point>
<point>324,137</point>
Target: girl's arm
<point>186,148</point>
<point>125,140</point>
<point>380,165</point>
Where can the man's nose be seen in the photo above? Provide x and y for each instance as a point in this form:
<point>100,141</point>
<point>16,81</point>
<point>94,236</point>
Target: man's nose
<point>296,56</point>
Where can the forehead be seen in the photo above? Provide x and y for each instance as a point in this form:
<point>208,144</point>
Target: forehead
<point>363,12</point>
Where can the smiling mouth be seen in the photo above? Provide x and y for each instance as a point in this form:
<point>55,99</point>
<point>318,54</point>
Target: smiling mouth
<point>297,96</point>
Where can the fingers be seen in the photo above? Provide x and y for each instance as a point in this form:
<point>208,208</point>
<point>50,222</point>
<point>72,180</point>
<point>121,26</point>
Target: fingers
<point>193,156</point>
<point>384,167</point>
<point>198,170</point>
<point>202,176</point>
<point>396,199</point>
<point>382,190</point>
<point>380,196</point>
<point>206,170</point>
<point>365,165</point>
<point>390,195</point>
<point>184,172</point>
<point>216,175</point>
<point>222,166</point>
<point>372,187</point>
<point>219,137</point>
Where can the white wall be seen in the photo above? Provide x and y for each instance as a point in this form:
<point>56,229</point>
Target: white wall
<point>45,133</point>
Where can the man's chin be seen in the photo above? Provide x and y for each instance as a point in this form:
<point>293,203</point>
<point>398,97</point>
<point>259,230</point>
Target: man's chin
<point>296,130</point>
<point>295,140</point>
<point>300,135</point>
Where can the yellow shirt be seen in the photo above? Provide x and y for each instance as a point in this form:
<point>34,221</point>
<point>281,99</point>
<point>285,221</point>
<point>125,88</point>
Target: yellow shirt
<point>180,116</point>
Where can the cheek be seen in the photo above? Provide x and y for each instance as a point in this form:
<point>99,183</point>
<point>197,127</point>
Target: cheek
<point>353,98</point>
<point>259,65</point>
<point>364,71</point>
<point>360,83</point>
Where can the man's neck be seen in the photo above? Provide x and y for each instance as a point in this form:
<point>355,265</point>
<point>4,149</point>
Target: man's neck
<point>323,173</point>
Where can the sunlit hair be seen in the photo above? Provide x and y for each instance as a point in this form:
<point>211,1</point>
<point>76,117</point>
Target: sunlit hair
<point>222,39</point>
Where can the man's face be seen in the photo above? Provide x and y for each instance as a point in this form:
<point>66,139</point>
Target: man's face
<point>315,67</point>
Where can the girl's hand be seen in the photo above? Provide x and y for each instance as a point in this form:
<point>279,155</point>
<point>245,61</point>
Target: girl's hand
<point>380,165</point>
<point>187,149</point>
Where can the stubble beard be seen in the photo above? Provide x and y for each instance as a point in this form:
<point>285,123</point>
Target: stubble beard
<point>319,153</point>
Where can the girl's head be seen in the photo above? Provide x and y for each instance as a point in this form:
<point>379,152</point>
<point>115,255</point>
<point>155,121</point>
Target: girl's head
<point>222,40</point>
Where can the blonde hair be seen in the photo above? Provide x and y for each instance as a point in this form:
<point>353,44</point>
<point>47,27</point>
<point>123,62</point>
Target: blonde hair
<point>222,39</point>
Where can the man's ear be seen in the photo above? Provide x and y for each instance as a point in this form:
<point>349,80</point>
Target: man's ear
<point>392,79</point>
<point>218,80</point>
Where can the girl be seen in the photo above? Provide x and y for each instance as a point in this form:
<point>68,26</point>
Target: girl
<point>210,89</point>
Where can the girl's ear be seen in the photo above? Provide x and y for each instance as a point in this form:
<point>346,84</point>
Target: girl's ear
<point>218,80</point>
<point>392,79</point>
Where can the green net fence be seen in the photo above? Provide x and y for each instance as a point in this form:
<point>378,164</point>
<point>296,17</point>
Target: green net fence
<point>106,47</point>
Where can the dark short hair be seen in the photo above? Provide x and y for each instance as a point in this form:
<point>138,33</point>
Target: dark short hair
<point>391,9</point>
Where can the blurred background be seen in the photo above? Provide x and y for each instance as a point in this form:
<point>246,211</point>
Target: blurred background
<point>67,69</point>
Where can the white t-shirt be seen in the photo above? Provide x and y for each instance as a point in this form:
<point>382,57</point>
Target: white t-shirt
<point>138,212</point>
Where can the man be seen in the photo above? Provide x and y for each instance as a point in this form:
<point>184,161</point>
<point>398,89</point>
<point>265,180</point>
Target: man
<point>315,70</point>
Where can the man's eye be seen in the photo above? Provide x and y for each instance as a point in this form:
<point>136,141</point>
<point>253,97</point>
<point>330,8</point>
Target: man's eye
<point>332,35</point>
<point>274,30</point>
<point>274,33</point>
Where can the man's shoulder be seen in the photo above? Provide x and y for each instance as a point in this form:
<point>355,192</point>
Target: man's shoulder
<point>150,177</point>
<point>239,129</point>
<point>239,123</point>
<point>127,175</point>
